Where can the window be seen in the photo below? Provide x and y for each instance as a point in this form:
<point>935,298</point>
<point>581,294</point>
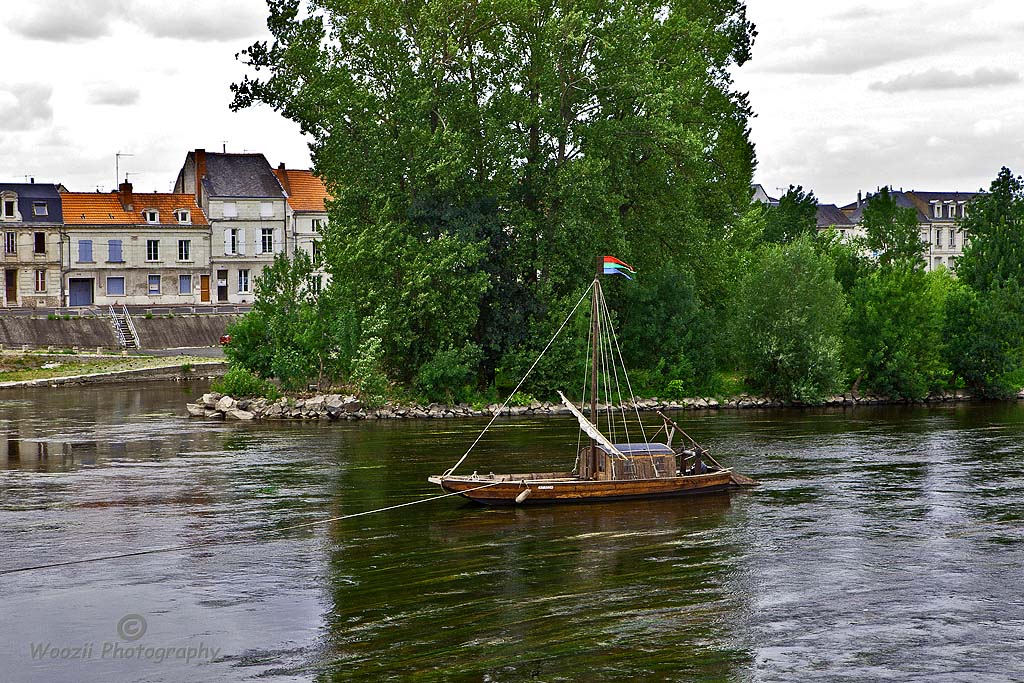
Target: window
<point>234,241</point>
<point>316,253</point>
<point>184,284</point>
<point>317,284</point>
<point>937,209</point>
<point>317,224</point>
<point>952,238</point>
<point>183,216</point>
<point>152,250</point>
<point>40,243</point>
<point>39,209</point>
<point>40,281</point>
<point>85,251</point>
<point>151,215</point>
<point>963,209</point>
<point>184,250</point>
<point>115,286</point>
<point>243,281</point>
<point>267,240</point>
<point>938,237</point>
<point>9,208</point>
<point>154,284</point>
<point>266,209</point>
<point>114,251</point>
<point>10,243</point>
<point>230,210</point>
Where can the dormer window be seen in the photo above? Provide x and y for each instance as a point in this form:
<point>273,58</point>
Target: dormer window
<point>963,209</point>
<point>937,210</point>
<point>183,215</point>
<point>151,215</point>
<point>39,209</point>
<point>950,210</point>
<point>9,207</point>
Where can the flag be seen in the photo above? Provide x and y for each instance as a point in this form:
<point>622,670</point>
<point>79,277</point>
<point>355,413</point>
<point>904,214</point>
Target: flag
<point>613,266</point>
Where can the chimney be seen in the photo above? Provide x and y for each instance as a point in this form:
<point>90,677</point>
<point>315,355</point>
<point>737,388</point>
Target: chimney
<point>125,192</point>
<point>859,198</point>
<point>200,174</point>
<point>32,181</point>
<point>283,177</point>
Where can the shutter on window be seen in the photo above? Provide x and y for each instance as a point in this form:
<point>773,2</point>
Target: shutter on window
<point>115,251</point>
<point>278,242</point>
<point>227,241</point>
<point>241,241</point>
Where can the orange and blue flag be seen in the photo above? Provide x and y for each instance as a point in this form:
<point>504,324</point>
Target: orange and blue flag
<point>613,266</point>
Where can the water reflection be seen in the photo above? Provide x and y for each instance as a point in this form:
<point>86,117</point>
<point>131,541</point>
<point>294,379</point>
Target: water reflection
<point>885,544</point>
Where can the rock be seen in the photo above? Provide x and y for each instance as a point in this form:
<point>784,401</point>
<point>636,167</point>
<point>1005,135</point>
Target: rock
<point>210,400</point>
<point>334,401</point>
<point>711,402</point>
<point>196,409</point>
<point>352,406</point>
<point>214,415</point>
<point>225,404</point>
<point>237,414</point>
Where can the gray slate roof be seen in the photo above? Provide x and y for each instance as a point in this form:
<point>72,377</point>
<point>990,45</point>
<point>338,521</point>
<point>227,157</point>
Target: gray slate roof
<point>830,214</point>
<point>902,200</point>
<point>36,192</point>
<point>240,175</point>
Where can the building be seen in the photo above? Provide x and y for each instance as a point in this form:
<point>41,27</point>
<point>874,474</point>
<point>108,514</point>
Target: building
<point>245,205</point>
<point>307,213</point>
<point>128,248</point>
<point>758,194</point>
<point>31,220</point>
<point>938,216</point>
<point>831,216</point>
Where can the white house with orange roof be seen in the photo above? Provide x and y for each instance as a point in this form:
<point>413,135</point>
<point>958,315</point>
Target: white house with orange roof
<point>307,212</point>
<point>136,248</point>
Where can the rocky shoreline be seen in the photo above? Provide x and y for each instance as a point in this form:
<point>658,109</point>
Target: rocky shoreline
<point>341,407</point>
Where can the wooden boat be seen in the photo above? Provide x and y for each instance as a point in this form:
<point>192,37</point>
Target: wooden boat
<point>604,470</point>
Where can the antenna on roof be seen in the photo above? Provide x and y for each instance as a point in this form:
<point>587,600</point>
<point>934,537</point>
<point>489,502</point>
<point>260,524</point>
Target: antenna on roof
<point>117,166</point>
<point>224,146</point>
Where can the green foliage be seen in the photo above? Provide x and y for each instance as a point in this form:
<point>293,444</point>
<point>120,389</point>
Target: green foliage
<point>448,376</point>
<point>795,215</point>
<point>296,331</point>
<point>994,254</point>
<point>983,333</point>
<point>846,257</point>
<point>788,322</point>
<point>521,400</point>
<point>892,233</point>
<point>476,181</point>
<point>368,374</point>
<point>894,340</point>
<point>148,316</point>
<point>239,382</point>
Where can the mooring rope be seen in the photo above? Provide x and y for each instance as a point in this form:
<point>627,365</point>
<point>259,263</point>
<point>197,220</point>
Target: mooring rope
<point>498,412</point>
<point>176,548</point>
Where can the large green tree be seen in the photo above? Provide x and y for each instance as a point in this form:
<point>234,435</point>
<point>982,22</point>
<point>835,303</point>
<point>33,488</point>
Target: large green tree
<point>481,154</point>
<point>891,231</point>
<point>788,326</point>
<point>795,215</point>
<point>994,253</point>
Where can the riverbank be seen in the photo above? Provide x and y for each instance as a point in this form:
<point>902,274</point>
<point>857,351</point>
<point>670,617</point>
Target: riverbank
<point>341,407</point>
<point>52,370</point>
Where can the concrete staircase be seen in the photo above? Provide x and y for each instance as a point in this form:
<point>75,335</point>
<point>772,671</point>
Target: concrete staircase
<point>124,328</point>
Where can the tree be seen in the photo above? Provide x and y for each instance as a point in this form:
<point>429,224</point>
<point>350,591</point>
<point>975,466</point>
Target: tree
<point>994,253</point>
<point>789,323</point>
<point>892,232</point>
<point>796,214</point>
<point>482,154</point>
<point>982,334</point>
<point>294,332</point>
<point>894,337</point>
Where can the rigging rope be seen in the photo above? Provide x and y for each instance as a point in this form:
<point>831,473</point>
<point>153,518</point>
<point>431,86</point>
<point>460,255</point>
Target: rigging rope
<point>494,417</point>
<point>175,548</point>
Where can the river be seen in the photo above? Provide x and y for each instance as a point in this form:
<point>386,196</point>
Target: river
<point>885,543</point>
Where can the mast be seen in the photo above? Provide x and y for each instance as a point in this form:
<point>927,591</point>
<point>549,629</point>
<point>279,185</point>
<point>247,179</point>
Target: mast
<point>595,330</point>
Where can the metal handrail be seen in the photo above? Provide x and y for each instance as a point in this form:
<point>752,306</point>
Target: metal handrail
<point>117,328</point>
<point>131,326</point>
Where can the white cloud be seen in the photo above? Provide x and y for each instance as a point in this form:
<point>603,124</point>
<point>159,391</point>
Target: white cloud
<point>114,95</point>
<point>65,21</point>
<point>26,106</point>
<point>945,79</point>
<point>987,127</point>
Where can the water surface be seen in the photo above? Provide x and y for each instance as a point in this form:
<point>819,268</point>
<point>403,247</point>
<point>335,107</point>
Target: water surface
<point>884,544</point>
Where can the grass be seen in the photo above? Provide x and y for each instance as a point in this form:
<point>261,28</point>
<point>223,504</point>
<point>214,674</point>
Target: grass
<point>16,367</point>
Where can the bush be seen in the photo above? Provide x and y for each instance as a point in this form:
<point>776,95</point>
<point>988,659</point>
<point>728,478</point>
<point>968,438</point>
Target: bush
<point>367,374</point>
<point>448,376</point>
<point>239,382</point>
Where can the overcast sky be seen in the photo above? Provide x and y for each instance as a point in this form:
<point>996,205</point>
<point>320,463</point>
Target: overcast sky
<point>847,96</point>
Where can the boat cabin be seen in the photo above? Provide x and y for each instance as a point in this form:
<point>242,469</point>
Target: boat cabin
<point>637,461</point>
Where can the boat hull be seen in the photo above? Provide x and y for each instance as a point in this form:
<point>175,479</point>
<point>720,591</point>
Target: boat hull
<point>509,489</point>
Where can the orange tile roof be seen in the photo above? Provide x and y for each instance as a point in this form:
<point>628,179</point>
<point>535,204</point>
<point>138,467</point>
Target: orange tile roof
<point>306,192</point>
<point>95,208</point>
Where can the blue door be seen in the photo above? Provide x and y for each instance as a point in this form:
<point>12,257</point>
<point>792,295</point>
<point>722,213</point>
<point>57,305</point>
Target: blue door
<point>80,291</point>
